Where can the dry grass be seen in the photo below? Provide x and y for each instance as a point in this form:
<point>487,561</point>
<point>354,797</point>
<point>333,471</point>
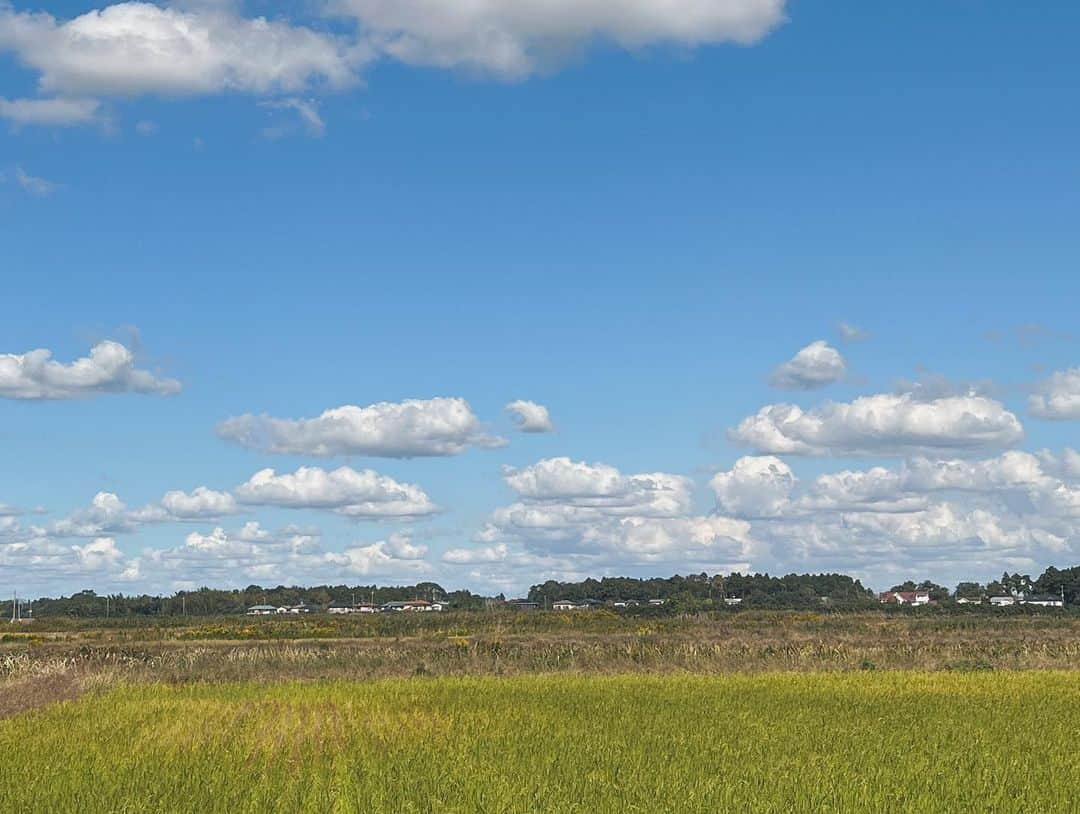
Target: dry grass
<point>734,644</point>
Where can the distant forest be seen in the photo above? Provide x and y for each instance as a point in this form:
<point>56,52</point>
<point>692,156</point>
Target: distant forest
<point>693,592</point>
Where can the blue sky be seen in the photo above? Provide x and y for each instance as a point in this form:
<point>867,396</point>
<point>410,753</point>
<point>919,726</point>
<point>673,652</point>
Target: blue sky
<point>612,211</point>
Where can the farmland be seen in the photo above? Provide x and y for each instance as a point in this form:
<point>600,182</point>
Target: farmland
<point>588,712</point>
<point>802,742</point>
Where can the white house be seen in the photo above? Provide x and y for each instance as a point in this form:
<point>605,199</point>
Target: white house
<point>1002,601</point>
<point>1043,601</point>
<point>905,598</point>
<point>262,610</point>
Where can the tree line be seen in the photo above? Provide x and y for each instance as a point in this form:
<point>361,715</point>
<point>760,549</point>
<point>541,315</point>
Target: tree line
<point>692,591</point>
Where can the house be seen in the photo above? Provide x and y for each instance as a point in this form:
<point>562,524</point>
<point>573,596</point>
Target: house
<point>905,598</point>
<point>523,605</point>
<point>1002,601</point>
<point>363,607</point>
<point>572,605</point>
<point>1043,600</point>
<point>262,610</point>
<point>340,608</point>
<point>303,607</point>
<point>413,606</point>
<point>969,600</point>
<point>657,602</point>
<point>732,600</point>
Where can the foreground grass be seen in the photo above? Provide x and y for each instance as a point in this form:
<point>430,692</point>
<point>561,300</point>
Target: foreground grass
<point>776,742</point>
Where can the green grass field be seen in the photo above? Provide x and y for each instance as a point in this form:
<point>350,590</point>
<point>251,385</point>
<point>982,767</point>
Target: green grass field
<point>774,742</point>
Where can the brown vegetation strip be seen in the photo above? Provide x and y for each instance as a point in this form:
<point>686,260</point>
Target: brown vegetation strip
<point>25,694</point>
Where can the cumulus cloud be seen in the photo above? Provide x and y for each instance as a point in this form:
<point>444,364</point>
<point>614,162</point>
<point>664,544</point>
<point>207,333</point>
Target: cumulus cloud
<point>530,416</point>
<point>110,368</point>
<point>198,504</point>
<point>138,48</point>
<point>512,39</point>
<point>288,556</point>
<point>407,429</point>
<point>107,514</point>
<point>754,486</point>
<point>887,424</point>
<point>816,365</point>
<point>54,112</point>
<point>573,516</point>
<point>950,514</point>
<point>1058,397</point>
<point>361,495</point>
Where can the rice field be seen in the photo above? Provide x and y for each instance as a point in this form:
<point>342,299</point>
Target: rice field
<point>998,742</point>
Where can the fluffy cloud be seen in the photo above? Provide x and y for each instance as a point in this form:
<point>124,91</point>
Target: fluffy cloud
<point>530,416</point>
<point>816,365</point>
<point>887,424</point>
<point>107,514</point>
<point>577,484</point>
<point>1013,510</point>
<point>110,368</point>
<point>288,556</point>
<point>572,517</point>
<point>514,38</point>
<point>198,504</point>
<point>407,429</point>
<point>98,554</point>
<point>49,112</point>
<point>754,486</point>
<point>1058,397</point>
<point>137,48</point>
<point>361,495</point>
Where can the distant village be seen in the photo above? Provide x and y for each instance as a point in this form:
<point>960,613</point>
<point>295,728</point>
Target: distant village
<point>997,600</point>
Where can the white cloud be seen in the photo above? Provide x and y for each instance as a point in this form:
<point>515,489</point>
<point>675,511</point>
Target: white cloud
<point>816,365</point>
<point>35,185</point>
<point>146,128</point>
<point>574,517</point>
<point>600,486</point>
<point>361,495</point>
<point>110,368</point>
<point>54,112</point>
<point>477,555</point>
<point>107,514</point>
<point>754,486</point>
<point>530,416</point>
<point>887,424</point>
<point>1058,397</point>
<point>306,109</point>
<point>200,503</point>
<point>137,48</point>
<point>943,518</point>
<point>98,554</point>
<point>407,429</point>
<point>852,333</point>
<point>289,556</point>
<point>512,39</point>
